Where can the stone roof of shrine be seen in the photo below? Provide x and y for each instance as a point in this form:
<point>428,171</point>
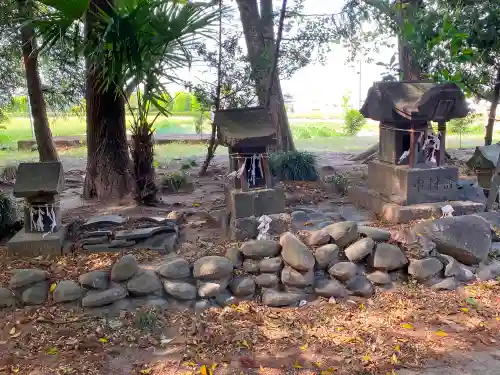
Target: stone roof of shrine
<point>414,101</point>
<point>245,126</point>
<point>39,179</point>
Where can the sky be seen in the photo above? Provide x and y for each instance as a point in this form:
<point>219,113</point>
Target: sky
<point>320,86</point>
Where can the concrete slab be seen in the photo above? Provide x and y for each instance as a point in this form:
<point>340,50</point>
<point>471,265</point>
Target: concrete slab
<point>395,213</point>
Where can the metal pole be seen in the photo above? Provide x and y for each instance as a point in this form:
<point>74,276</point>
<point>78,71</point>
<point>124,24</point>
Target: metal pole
<point>31,117</point>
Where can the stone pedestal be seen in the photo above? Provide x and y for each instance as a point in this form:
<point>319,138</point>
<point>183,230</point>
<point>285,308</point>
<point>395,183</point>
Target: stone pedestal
<point>401,194</point>
<point>397,213</point>
<point>243,209</point>
<point>34,244</point>
<point>405,186</point>
<point>255,202</point>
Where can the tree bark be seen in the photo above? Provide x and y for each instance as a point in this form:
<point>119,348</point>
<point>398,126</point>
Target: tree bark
<point>488,136</point>
<point>108,173</point>
<point>259,38</point>
<point>410,70</point>
<point>46,147</point>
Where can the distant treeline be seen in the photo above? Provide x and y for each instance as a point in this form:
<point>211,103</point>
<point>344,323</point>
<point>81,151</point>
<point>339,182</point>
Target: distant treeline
<point>181,104</point>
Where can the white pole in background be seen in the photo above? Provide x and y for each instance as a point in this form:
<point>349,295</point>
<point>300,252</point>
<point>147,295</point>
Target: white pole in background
<point>31,117</point>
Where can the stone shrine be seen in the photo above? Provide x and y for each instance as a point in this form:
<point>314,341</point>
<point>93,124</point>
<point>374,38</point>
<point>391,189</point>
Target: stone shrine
<point>40,184</point>
<point>410,179</point>
<point>248,133</point>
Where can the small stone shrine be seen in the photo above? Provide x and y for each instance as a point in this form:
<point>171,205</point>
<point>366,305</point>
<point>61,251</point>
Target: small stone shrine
<point>40,184</point>
<point>248,133</point>
<point>410,180</point>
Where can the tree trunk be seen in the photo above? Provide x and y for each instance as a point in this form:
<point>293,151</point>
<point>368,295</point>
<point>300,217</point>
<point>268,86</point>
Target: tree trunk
<point>144,171</point>
<point>410,70</point>
<point>259,37</point>
<point>46,147</point>
<point>488,136</point>
<point>108,163</point>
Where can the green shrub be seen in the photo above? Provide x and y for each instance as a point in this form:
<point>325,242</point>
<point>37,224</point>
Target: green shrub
<point>79,110</point>
<point>340,182</point>
<point>353,122</point>
<point>353,119</point>
<point>302,133</point>
<point>174,181</point>
<point>182,102</point>
<point>294,166</point>
<point>464,125</point>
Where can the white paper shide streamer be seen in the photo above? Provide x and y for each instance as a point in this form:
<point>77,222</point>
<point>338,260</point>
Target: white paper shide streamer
<point>255,160</point>
<point>39,213</point>
<point>263,228</point>
<point>447,211</point>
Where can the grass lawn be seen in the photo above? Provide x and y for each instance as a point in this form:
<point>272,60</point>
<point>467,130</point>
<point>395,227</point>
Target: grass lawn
<point>165,153</point>
<point>19,128</point>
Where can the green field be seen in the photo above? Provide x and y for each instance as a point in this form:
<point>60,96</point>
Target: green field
<point>313,134</point>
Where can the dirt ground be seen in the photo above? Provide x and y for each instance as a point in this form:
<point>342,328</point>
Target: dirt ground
<point>407,331</point>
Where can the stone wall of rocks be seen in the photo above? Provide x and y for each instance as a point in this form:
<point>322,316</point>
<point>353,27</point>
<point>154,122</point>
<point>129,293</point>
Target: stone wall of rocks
<point>340,260</point>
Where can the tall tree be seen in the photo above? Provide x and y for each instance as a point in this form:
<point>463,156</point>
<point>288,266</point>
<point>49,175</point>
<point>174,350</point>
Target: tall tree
<point>46,147</point>
<point>462,46</point>
<point>258,28</point>
<point>108,163</point>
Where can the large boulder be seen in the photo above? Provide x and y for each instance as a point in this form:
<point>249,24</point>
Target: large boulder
<point>318,238</point>
<point>95,279</point>
<point>379,278</point>
<point>212,288</point>
<point>105,297</point>
<point>327,255</point>
<point>7,298</point>
<point>376,234</point>
<point>259,249</point>
<point>242,286</point>
<point>26,277</point>
<point>143,283</point>
<point>491,271</point>
<point>343,233</point>
<point>212,267</point>
<point>360,249</point>
<point>465,238</point>
<point>330,288</point>
<point>388,257</point>
<point>180,289</point>
<point>235,256</point>
<point>423,269</point>
<point>361,286</point>
<point>124,268</point>
<point>251,266</point>
<point>292,277</point>
<point>174,268</point>
<point>295,253</point>
<point>67,291</point>
<point>275,298</point>
<point>343,271</point>
<point>267,280</point>
<point>36,294</point>
<point>271,265</point>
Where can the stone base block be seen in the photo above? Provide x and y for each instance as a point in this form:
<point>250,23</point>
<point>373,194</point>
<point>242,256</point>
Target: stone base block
<point>35,244</point>
<point>255,202</point>
<point>396,213</point>
<point>402,185</point>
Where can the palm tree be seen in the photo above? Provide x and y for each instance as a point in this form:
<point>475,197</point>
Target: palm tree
<point>129,43</point>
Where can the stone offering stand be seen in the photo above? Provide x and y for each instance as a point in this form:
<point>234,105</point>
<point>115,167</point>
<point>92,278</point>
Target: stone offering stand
<point>341,260</point>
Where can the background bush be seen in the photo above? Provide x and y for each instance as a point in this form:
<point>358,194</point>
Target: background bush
<point>353,119</point>
<point>294,166</point>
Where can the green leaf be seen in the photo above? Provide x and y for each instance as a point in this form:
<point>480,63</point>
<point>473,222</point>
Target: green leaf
<point>70,8</point>
<point>471,301</point>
